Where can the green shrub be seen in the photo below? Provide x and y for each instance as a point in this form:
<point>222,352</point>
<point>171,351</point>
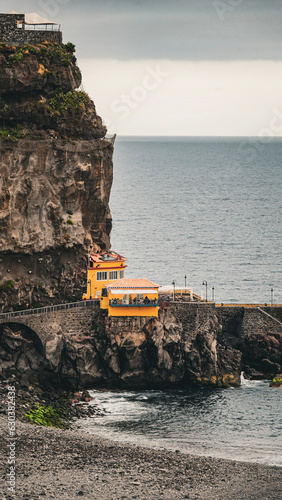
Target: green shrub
<point>76,101</point>
<point>70,221</point>
<point>16,58</point>
<point>7,286</point>
<point>70,212</point>
<point>46,416</point>
<point>12,135</point>
<point>70,47</point>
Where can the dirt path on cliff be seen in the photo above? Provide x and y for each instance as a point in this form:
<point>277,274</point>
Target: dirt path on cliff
<point>51,463</point>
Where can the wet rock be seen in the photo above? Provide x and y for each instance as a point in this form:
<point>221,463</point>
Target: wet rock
<point>276,381</point>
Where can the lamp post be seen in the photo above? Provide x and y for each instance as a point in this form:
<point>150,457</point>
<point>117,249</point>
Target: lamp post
<point>89,281</point>
<point>206,285</point>
<point>271,296</point>
<point>213,294</point>
<point>185,278</point>
<point>173,283</point>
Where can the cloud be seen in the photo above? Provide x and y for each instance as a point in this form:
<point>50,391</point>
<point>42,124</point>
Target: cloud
<point>235,98</point>
<point>166,29</point>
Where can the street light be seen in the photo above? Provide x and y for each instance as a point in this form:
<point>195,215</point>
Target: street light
<point>89,281</point>
<point>206,285</point>
<point>185,278</point>
<point>271,295</point>
<point>213,294</point>
<point>173,283</point>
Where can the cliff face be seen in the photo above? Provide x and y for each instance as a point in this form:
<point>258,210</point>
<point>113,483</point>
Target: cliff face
<point>187,344</point>
<point>55,176</point>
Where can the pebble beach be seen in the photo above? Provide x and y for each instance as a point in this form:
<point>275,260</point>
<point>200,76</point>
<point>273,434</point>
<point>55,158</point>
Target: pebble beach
<point>66,464</point>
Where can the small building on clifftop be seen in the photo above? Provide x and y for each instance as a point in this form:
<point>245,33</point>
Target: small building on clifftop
<point>18,29</point>
<point>131,297</point>
<point>103,268</point>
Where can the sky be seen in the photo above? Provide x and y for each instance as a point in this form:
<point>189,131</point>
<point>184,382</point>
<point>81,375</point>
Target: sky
<point>176,67</point>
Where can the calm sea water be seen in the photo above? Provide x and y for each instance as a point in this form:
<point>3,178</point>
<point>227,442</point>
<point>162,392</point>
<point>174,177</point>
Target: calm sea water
<point>209,209</point>
<point>239,424</point>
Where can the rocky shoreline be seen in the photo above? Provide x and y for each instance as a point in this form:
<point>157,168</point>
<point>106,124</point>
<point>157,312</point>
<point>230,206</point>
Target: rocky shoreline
<point>55,463</point>
<point>69,405</point>
<point>51,463</point>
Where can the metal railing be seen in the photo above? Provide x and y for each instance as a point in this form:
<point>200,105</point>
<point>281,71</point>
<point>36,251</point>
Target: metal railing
<point>41,310</point>
<point>137,304</point>
<point>270,316</point>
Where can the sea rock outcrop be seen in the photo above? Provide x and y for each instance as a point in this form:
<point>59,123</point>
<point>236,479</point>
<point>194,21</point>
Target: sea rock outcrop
<point>55,176</point>
<point>188,344</point>
<point>181,347</point>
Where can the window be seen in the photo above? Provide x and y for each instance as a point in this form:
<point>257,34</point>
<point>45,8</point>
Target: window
<point>102,276</point>
<point>121,274</point>
<point>104,292</point>
<point>113,275</point>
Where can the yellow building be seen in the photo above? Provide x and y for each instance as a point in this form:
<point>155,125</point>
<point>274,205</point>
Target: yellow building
<point>103,268</point>
<point>131,297</point>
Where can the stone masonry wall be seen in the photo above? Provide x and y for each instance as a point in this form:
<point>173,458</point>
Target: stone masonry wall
<point>188,344</point>
<point>10,33</point>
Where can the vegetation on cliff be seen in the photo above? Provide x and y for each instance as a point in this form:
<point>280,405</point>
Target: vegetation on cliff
<point>38,92</point>
<point>53,163</point>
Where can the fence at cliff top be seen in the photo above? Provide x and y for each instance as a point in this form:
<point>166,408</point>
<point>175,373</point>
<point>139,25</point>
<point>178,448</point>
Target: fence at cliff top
<point>40,310</point>
<point>248,305</point>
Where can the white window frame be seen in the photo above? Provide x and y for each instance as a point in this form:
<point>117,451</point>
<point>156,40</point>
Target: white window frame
<point>102,275</point>
<point>111,273</point>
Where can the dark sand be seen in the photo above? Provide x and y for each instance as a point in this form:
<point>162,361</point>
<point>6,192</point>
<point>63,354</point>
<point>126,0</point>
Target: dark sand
<point>68,464</point>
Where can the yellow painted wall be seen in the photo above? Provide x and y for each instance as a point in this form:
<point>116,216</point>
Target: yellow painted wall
<point>134,311</point>
<point>131,309</point>
<point>97,285</point>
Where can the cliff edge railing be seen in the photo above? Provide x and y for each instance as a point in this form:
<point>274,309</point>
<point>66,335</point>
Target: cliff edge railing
<point>13,30</point>
<point>8,316</point>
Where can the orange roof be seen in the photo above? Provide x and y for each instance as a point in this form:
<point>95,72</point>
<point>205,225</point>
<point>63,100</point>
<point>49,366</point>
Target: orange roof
<point>106,257</point>
<point>132,283</point>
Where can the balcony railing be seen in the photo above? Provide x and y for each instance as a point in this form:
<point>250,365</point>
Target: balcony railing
<point>119,303</point>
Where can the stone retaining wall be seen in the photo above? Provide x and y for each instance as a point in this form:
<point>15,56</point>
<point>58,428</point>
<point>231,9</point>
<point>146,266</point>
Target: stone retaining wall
<point>10,33</point>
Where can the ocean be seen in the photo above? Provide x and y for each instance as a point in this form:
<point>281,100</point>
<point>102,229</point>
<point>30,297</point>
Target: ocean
<point>208,209</point>
<point>205,208</point>
<point>241,423</point>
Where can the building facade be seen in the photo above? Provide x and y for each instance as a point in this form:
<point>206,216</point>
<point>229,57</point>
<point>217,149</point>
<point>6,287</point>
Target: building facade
<point>131,297</point>
<point>103,268</point>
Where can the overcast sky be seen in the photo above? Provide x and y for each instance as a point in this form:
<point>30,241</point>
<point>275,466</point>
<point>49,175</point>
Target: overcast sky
<point>176,67</point>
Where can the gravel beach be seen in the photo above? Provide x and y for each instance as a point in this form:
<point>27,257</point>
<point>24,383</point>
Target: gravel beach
<point>53,463</point>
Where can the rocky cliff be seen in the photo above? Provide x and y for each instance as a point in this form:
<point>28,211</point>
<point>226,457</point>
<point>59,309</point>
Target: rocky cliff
<point>188,344</point>
<point>55,176</point>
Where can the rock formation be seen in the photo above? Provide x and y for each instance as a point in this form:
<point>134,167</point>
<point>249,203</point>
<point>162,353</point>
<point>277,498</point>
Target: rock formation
<point>194,344</point>
<point>188,344</point>
<point>55,176</point>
